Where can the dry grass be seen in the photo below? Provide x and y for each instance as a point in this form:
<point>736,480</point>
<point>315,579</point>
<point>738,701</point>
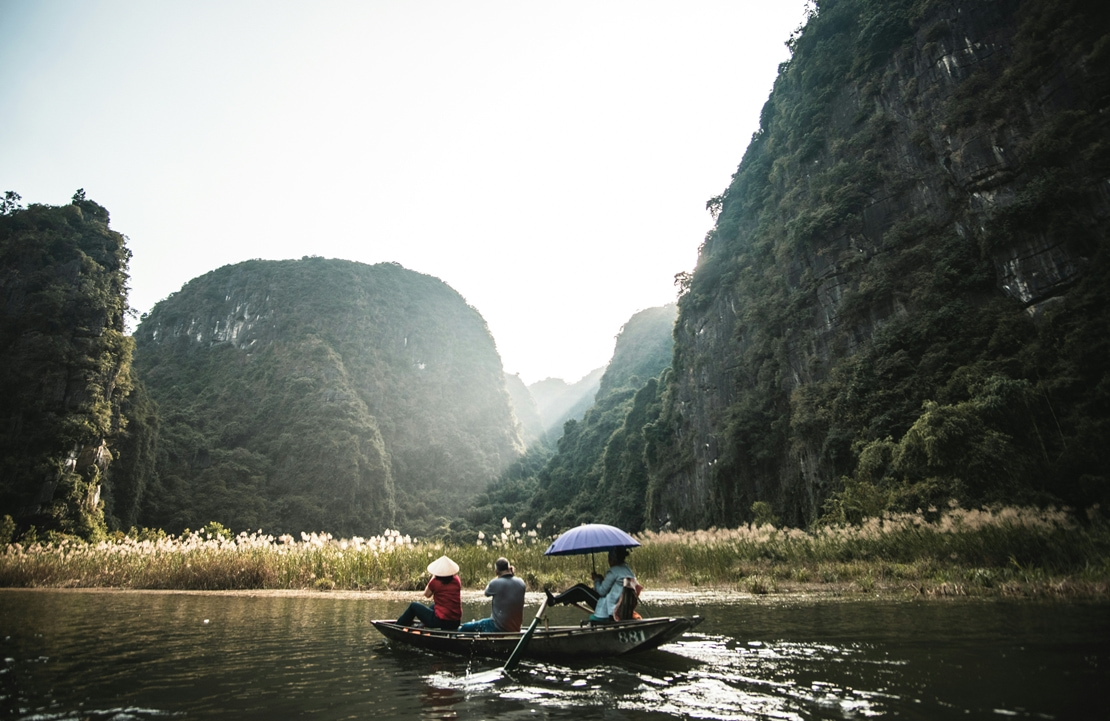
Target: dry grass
<point>1008,551</point>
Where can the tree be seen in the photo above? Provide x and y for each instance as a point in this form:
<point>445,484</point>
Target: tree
<point>10,203</point>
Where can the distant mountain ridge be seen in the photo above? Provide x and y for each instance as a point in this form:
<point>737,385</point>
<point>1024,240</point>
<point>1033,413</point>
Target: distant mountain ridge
<point>558,401</point>
<point>527,414</point>
<point>597,472</point>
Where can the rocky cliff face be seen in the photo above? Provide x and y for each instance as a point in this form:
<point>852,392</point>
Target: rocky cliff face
<point>928,178</point>
<point>321,395</point>
<point>64,362</point>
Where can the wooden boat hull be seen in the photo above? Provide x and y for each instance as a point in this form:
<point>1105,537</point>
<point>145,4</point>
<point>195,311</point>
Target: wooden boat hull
<point>554,642</point>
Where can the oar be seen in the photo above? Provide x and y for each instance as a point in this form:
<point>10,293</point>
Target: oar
<point>514,657</point>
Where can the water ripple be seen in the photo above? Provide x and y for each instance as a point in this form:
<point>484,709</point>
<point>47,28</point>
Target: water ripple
<point>134,657</point>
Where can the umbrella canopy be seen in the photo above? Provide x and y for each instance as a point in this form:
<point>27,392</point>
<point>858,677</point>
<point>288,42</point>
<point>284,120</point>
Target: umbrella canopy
<point>590,538</point>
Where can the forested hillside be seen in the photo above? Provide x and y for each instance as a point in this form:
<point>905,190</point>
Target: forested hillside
<point>64,362</point>
<point>597,472</point>
<point>317,395</point>
<point>903,300</point>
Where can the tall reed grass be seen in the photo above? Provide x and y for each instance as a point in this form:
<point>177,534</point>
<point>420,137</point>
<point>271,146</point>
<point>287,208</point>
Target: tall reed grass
<point>1010,550</point>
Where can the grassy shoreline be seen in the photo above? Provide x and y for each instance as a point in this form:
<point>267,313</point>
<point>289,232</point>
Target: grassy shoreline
<point>1009,552</point>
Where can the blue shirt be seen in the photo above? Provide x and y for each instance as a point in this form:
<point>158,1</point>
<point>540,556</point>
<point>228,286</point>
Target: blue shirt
<point>609,589</point>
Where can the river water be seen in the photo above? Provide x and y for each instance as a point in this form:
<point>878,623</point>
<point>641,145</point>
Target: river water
<point>147,655</point>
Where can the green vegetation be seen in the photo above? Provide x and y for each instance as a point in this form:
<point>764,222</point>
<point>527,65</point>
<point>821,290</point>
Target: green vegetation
<point>906,277</point>
<point>1010,551</point>
<point>902,304</point>
<point>64,362</point>
<point>597,472</point>
<point>314,395</point>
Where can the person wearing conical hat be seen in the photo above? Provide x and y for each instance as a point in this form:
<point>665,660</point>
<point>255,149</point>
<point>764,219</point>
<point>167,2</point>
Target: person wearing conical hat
<point>445,590</point>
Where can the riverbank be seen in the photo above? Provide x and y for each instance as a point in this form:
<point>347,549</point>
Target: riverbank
<point>1021,553</point>
<point>1065,590</point>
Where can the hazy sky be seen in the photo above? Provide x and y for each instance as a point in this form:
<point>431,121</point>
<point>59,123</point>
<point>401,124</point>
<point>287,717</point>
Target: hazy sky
<point>550,161</point>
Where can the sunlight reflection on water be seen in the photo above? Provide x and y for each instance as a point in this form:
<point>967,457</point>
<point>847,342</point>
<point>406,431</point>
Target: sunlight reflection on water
<point>725,680</point>
<point>128,656</point>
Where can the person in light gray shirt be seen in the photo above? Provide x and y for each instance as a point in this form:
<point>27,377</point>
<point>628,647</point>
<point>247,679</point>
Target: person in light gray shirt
<point>507,592</point>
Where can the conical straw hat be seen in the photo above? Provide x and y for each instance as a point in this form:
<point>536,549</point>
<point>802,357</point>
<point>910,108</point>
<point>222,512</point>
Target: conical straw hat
<point>443,566</point>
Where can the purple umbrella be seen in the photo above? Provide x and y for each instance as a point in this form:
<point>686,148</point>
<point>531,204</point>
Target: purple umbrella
<point>590,538</point>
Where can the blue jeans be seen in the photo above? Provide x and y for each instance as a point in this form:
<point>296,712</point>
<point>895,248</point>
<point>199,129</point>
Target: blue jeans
<point>426,615</point>
<point>486,625</point>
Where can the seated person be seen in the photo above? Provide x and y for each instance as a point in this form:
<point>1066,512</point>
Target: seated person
<point>444,588</point>
<point>606,591</point>
<point>507,592</point>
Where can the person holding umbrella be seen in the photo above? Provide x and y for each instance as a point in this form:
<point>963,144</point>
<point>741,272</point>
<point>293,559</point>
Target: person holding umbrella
<point>604,597</point>
<point>445,590</point>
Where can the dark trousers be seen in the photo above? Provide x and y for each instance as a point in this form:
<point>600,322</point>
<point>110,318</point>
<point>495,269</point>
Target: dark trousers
<point>427,616</point>
<point>580,593</point>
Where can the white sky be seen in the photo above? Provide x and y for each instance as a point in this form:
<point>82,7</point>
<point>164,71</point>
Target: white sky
<point>549,161</point>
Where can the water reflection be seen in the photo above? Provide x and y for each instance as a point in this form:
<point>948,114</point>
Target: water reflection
<point>702,676</point>
<point>72,655</point>
<point>439,703</point>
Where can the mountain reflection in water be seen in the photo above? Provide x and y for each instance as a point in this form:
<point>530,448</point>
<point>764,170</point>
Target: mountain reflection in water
<point>145,655</point>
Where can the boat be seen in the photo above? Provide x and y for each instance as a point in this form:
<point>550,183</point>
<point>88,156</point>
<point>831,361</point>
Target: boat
<point>548,642</point>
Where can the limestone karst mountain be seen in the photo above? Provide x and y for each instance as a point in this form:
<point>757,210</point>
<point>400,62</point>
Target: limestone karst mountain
<point>902,301</point>
<point>64,362</point>
<point>321,395</point>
